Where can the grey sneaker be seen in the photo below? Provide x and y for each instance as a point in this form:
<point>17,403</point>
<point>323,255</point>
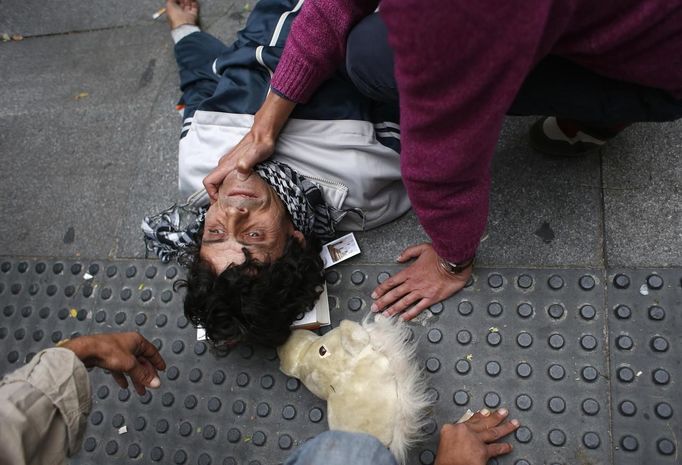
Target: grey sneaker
<point>568,138</point>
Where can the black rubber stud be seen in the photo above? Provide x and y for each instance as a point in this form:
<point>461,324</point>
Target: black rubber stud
<point>96,418</point>
<point>437,308</point>
<point>654,281</point>
<point>162,426</point>
<point>492,400</point>
<point>625,374</point>
<point>111,448</point>
<point>432,364</point>
<point>589,374</point>
<point>238,407</point>
<point>624,342</point>
<point>556,341</point>
<point>524,310</point>
<point>556,311</point>
<point>209,432</point>
<point>524,281</point>
<point>588,342</point>
<point>263,409</point>
<point>126,294</point>
<point>524,402</point>
<point>659,344</point>
<point>293,384</point>
<point>523,435</point>
<point>627,408</point>
<point>131,271</point>
<point>524,340</point>
<point>156,454</point>
<point>354,304</point>
<point>556,405</point>
<point>495,281</point>
<point>426,457</point>
<point>495,309</point>
<point>267,382</point>
<point>90,444</point>
<point>556,372</point>
<point>285,442</point>
<point>289,412</point>
<point>623,312</point>
<point>590,407</point>
<point>460,398</point>
<point>493,368</point>
<point>204,459</point>
<point>218,377</point>
<point>591,440</point>
<point>167,399</point>
<point>663,410</point>
<point>462,367</point>
<point>555,282</point>
<point>190,402</point>
<point>434,336</point>
<point>464,337</point>
<point>140,423</point>
<point>357,277</point>
<point>150,272</point>
<point>656,313</point>
<point>123,395</point>
<point>180,457</point>
<point>556,437</point>
<point>315,415</point>
<point>586,283</point>
<point>465,308</point>
<point>621,281</point>
<point>629,443</point>
<point>76,268</point>
<point>494,338</point>
<point>185,429</point>
<point>524,370</point>
<point>332,277</point>
<point>233,435</point>
<point>660,376</point>
<point>111,271</point>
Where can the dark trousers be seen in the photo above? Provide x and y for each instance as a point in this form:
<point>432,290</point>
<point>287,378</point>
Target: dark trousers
<point>555,87</point>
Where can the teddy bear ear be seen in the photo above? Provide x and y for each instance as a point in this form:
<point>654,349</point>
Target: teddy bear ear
<point>291,352</point>
<point>354,338</point>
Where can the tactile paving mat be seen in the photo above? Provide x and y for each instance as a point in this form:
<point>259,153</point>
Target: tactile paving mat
<point>585,359</point>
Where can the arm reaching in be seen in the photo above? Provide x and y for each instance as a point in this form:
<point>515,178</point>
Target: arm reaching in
<point>474,442</point>
<point>256,146</point>
<point>418,286</point>
<point>122,354</point>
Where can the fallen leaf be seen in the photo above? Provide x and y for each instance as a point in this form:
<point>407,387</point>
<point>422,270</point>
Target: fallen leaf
<point>5,37</point>
<point>81,95</point>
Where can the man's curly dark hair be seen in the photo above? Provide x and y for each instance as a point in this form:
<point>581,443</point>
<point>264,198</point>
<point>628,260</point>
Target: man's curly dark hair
<point>255,301</point>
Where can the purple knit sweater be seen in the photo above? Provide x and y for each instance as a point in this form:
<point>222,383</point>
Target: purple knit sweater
<point>459,65</point>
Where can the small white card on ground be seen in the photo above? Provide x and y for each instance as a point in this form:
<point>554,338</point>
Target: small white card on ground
<point>315,317</point>
<point>339,250</point>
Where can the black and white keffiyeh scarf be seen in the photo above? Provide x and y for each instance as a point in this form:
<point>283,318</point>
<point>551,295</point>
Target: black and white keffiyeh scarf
<point>304,201</point>
<point>169,233</point>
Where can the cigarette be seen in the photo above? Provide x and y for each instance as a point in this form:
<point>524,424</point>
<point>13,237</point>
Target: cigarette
<point>159,13</point>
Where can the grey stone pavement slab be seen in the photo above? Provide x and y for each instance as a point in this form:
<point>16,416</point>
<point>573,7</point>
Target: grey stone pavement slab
<point>36,17</point>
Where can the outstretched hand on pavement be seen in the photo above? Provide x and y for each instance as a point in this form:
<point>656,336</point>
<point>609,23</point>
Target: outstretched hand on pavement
<point>418,286</point>
<point>122,354</point>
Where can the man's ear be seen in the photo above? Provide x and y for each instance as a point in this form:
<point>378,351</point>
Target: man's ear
<point>298,235</point>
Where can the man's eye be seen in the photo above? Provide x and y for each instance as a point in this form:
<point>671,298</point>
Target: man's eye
<point>253,234</point>
<point>215,231</point>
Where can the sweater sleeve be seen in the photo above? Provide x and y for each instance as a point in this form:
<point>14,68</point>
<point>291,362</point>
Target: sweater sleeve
<point>44,407</point>
<point>316,45</point>
<point>458,67</point>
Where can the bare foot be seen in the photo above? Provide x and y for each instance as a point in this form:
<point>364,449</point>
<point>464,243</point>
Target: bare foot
<point>181,12</point>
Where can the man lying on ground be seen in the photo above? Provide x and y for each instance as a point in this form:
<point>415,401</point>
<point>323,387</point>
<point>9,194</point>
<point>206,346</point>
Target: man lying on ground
<point>253,249</point>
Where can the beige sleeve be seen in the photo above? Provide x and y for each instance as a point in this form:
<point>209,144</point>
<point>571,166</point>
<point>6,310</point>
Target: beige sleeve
<point>44,407</point>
